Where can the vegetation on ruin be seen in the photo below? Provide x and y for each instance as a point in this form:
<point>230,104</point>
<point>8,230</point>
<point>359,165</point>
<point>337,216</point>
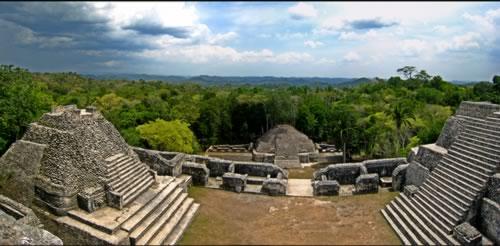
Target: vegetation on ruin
<point>383,118</point>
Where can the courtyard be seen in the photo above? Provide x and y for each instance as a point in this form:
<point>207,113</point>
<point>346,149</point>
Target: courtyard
<point>232,218</point>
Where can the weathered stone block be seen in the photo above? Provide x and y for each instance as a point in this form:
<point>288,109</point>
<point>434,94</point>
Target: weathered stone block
<point>490,219</point>
<point>14,232</point>
<point>326,188</point>
<point>91,199</point>
<point>234,181</point>
<point>18,168</point>
<point>467,235</point>
<point>493,190</point>
<point>164,163</point>
<point>451,129</point>
<point>367,183</point>
<point>384,167</point>
<point>345,173</point>
<point>274,187</point>
<point>399,177</point>
<point>430,155</point>
<point>416,174</point>
<point>410,190</point>
<point>199,172</point>
<point>218,167</point>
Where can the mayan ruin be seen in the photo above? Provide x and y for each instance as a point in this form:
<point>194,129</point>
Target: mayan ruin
<point>249,123</point>
<point>84,179</point>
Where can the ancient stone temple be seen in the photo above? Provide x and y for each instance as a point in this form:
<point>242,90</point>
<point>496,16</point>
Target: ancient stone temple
<point>74,164</point>
<point>283,145</point>
<point>451,189</point>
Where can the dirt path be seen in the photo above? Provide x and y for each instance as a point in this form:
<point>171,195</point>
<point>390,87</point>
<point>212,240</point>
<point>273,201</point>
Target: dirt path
<point>231,218</point>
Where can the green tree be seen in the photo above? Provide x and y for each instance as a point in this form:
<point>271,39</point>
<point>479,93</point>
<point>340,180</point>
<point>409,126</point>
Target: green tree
<point>496,83</point>
<point>407,71</point>
<point>401,113</point>
<point>22,100</point>
<point>423,76</point>
<point>169,135</point>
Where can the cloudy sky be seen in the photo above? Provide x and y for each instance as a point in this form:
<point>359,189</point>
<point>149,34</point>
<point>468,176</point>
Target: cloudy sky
<point>460,41</point>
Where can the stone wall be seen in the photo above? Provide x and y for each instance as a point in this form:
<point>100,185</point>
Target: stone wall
<point>451,129</point>
<point>164,163</point>
<point>416,174</point>
<point>198,172</point>
<point>345,173</point>
<point>490,219</point>
<point>18,168</point>
<point>399,177</point>
<point>259,169</point>
<point>218,167</point>
<point>383,167</point>
<point>430,155</point>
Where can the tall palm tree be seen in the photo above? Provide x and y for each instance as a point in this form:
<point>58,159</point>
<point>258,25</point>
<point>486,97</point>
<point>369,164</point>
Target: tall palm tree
<point>401,114</point>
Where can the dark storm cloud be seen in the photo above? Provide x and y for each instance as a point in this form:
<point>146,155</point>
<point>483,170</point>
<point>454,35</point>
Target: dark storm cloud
<point>369,24</point>
<point>157,29</point>
<point>64,25</point>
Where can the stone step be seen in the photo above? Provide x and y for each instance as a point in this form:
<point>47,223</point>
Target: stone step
<point>401,213</point>
<point>174,222</point>
<point>118,161</point>
<point>458,198</point>
<point>120,184</point>
<point>471,188</point>
<point>158,218</point>
<point>255,180</point>
<point>459,206</point>
<point>476,170</point>
<point>478,144</point>
<point>428,220</point>
<point>113,157</point>
<point>469,159</point>
<point>495,154</point>
<point>464,171</point>
<point>444,205</point>
<point>478,139</point>
<point>460,174</point>
<point>435,216</point>
<point>473,155</point>
<point>128,164</point>
<point>451,188</point>
<point>137,190</point>
<point>163,198</point>
<point>400,234</point>
<point>412,238</point>
<point>435,239</point>
<point>457,161</point>
<point>484,135</point>
<point>178,231</point>
<point>485,126</point>
<point>174,211</point>
<point>448,217</point>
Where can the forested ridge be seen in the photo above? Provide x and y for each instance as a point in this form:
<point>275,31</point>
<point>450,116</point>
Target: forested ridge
<point>384,118</point>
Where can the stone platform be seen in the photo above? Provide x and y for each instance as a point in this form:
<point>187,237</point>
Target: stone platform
<point>158,216</point>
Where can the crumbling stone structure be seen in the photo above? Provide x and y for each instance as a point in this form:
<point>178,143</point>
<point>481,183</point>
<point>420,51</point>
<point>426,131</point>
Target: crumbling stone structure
<point>451,194</point>
<point>283,145</point>
<point>19,225</point>
<point>73,167</point>
<point>364,175</point>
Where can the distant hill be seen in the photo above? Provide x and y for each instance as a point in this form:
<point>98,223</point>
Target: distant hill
<point>239,80</point>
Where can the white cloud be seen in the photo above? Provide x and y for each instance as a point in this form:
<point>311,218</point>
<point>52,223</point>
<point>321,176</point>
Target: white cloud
<point>466,41</point>
<point>351,56</point>
<point>204,53</point>
<point>414,47</point>
<point>110,63</point>
<point>487,22</point>
<point>222,37</point>
<point>302,11</point>
<point>354,36</point>
<point>313,44</point>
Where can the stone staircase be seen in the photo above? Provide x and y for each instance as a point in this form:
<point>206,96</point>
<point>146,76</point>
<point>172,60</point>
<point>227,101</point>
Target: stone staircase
<point>444,199</point>
<point>159,216</point>
<point>126,178</point>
